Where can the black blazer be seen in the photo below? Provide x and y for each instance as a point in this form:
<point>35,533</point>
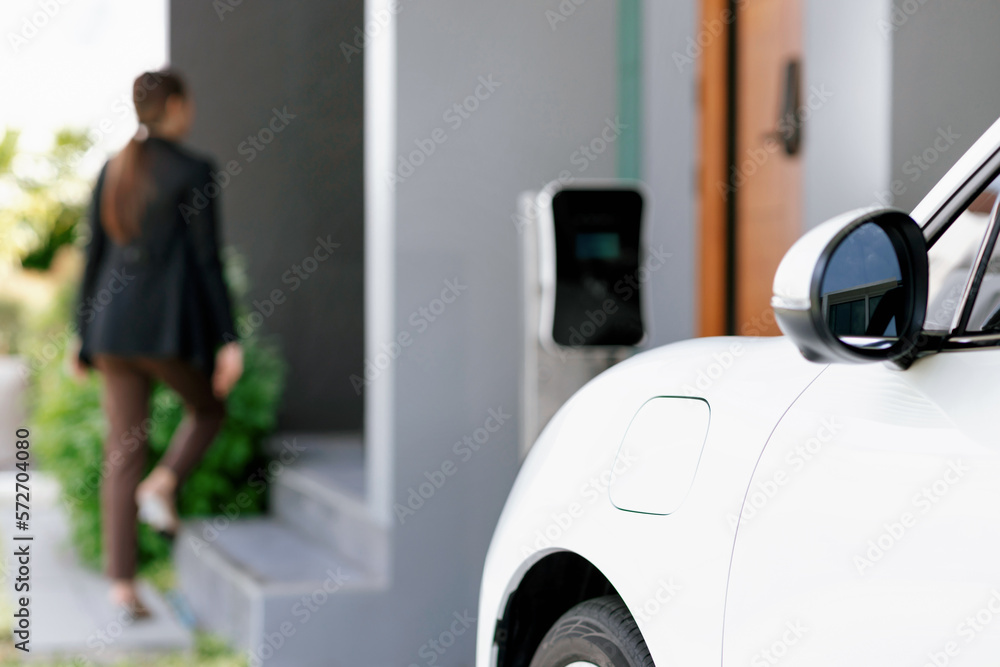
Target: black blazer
<point>163,294</point>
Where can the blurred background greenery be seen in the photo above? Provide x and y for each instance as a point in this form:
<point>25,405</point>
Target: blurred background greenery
<point>43,198</point>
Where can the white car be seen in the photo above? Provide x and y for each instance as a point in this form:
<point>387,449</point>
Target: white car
<point>756,502</point>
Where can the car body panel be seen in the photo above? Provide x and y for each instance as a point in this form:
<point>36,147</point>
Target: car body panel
<point>879,537</point>
<point>655,467</point>
<point>670,570</point>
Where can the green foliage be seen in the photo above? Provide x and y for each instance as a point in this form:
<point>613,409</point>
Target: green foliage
<point>8,148</point>
<point>209,651</point>
<point>10,326</point>
<point>69,431</point>
<point>43,198</point>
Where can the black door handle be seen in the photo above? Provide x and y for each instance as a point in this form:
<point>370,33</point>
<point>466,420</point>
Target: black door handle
<point>789,122</point>
<point>789,129</point>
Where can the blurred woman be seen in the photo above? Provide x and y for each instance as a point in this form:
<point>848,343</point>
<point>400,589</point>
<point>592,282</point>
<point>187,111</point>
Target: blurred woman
<point>154,306</point>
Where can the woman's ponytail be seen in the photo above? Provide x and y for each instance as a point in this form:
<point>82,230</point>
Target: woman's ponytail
<point>127,181</point>
<point>122,199</point>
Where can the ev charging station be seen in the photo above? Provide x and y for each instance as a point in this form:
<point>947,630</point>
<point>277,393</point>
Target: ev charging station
<point>584,306</point>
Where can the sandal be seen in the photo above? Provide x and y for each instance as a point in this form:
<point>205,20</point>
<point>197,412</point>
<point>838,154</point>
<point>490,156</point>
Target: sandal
<point>135,609</point>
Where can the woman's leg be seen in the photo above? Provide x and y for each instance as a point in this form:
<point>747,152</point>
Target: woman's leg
<point>204,414</point>
<point>126,403</point>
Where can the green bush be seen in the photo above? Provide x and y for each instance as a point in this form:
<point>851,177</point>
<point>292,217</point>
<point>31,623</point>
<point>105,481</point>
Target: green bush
<point>47,196</point>
<point>69,430</point>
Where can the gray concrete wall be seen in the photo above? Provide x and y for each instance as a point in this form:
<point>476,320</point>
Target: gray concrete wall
<point>913,88</point>
<point>670,139</point>
<point>556,92</point>
<point>306,183</point>
<point>846,148</point>
<point>946,56</point>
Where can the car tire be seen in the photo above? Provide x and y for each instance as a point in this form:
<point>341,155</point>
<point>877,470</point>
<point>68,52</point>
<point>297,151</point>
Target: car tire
<point>597,632</point>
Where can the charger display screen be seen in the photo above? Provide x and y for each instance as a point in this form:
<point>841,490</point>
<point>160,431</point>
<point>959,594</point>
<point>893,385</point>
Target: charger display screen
<point>598,245</point>
<point>598,291</point>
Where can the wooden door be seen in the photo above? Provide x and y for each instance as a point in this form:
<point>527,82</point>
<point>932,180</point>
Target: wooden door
<point>768,166</point>
<point>751,180</point>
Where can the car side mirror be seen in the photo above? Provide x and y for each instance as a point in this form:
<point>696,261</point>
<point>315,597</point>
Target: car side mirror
<point>854,289</point>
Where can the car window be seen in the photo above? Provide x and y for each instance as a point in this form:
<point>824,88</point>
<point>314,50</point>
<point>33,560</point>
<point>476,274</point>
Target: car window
<point>951,259</point>
<point>985,316</point>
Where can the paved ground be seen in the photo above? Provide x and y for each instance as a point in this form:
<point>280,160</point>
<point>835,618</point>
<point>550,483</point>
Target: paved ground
<point>69,609</point>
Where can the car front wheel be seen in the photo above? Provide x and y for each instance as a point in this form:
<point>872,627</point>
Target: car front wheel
<point>595,633</point>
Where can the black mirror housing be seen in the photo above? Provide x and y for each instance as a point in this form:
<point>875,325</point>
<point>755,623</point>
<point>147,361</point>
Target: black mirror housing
<point>854,289</point>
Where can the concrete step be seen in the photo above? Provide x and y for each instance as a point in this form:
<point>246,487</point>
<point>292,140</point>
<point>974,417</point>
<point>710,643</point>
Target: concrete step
<point>318,555</point>
<point>336,458</point>
<point>248,579</point>
<point>321,492</point>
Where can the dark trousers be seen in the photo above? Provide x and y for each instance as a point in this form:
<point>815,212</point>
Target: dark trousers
<point>127,385</point>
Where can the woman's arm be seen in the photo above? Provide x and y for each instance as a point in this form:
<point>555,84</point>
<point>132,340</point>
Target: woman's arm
<point>204,233</point>
<point>85,312</point>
